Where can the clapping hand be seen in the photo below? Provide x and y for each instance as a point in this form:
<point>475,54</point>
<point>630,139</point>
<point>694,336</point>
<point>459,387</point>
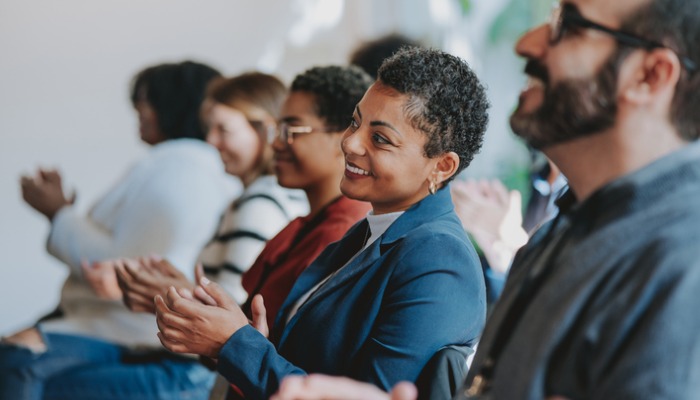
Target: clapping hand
<point>141,280</point>
<point>102,279</point>
<point>492,215</point>
<point>201,321</point>
<point>44,192</point>
<point>322,387</point>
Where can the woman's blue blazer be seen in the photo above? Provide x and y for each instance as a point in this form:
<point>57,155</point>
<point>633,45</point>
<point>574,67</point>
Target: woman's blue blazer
<point>379,319</point>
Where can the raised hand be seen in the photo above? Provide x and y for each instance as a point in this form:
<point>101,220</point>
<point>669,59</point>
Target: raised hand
<point>188,326</point>
<point>492,215</point>
<point>44,192</point>
<point>322,387</point>
<point>102,279</point>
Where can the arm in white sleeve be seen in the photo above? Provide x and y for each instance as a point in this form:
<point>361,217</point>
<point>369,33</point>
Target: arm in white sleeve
<point>172,213</point>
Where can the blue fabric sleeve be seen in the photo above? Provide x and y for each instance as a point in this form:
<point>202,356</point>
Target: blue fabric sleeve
<point>251,362</point>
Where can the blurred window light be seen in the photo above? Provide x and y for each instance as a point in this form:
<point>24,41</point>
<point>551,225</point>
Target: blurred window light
<point>444,12</point>
<point>314,15</point>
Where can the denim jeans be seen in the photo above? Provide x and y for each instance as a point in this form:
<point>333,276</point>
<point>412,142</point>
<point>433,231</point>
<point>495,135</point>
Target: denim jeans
<point>81,368</point>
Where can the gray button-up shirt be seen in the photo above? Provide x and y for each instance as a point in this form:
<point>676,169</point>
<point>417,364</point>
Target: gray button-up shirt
<point>615,308</point>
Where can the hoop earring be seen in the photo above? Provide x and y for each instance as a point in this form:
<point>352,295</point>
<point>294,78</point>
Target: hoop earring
<point>432,188</point>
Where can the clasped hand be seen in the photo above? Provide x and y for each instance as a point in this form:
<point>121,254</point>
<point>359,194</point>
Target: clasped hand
<point>143,279</point>
<point>201,321</point>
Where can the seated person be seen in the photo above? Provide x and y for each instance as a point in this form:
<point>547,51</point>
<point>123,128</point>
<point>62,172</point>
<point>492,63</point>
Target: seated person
<point>493,216</point>
<point>167,203</point>
<point>307,155</point>
<point>242,113</point>
<point>402,283</point>
<point>304,158</point>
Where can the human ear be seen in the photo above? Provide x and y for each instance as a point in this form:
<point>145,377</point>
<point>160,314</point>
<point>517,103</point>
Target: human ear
<point>446,165</point>
<point>656,77</point>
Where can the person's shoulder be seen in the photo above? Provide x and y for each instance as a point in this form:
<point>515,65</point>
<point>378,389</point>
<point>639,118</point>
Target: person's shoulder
<point>266,194</point>
<point>267,186</point>
<point>187,149</point>
<point>442,228</point>
<point>187,159</point>
<point>440,244</point>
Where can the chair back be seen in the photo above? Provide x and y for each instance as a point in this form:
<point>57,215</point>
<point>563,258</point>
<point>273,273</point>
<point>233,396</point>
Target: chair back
<point>444,373</point>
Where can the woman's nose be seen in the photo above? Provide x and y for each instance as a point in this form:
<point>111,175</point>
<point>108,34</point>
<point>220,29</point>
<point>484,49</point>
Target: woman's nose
<point>352,142</point>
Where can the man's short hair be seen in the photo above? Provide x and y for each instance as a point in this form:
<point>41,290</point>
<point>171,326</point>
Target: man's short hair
<point>675,24</point>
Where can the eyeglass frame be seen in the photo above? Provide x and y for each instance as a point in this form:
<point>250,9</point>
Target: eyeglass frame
<point>564,17</point>
<point>286,132</point>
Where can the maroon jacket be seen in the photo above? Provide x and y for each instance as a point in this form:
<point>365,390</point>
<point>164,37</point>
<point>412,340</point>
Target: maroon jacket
<point>288,254</point>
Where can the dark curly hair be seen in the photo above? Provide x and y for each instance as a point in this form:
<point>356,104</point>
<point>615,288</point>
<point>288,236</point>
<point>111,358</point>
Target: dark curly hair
<point>175,91</point>
<point>337,91</point>
<point>445,100</point>
<point>370,55</point>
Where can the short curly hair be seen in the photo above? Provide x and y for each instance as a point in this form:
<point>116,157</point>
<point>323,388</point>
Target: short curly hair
<point>337,90</point>
<point>445,100</point>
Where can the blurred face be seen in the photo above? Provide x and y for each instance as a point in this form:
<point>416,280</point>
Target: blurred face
<point>239,144</point>
<point>313,158</point>
<point>572,87</point>
<point>148,123</point>
<point>385,162</point>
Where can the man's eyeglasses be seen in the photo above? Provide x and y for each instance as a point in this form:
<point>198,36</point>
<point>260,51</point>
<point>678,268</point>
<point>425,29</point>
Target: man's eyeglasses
<point>286,133</point>
<point>566,17</point>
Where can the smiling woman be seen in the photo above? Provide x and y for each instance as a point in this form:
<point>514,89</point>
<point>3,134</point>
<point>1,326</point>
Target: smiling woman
<point>240,113</point>
<point>402,283</point>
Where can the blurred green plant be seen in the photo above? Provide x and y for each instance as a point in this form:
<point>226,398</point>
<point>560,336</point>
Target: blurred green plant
<point>517,17</point>
<point>465,5</point>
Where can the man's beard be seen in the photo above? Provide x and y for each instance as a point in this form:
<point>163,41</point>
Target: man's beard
<point>571,109</point>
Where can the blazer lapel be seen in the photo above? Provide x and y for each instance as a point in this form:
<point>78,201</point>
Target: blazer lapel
<point>336,256</point>
<point>332,258</point>
<point>361,263</point>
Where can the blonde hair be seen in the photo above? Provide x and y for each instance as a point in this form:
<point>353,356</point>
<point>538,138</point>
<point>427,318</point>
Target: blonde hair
<point>259,97</point>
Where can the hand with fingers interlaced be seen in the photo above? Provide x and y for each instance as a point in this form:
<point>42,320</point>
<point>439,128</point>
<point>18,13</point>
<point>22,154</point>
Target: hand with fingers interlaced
<point>202,320</point>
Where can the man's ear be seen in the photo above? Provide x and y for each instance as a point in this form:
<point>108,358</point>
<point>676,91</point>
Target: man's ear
<point>446,166</point>
<point>656,76</point>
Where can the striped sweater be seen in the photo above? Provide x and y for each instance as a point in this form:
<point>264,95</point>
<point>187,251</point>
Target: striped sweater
<point>259,214</point>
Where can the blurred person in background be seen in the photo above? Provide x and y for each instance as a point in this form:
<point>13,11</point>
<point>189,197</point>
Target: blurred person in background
<point>494,218</point>
<point>307,156</point>
<point>168,204</point>
<point>402,283</point>
<point>371,54</point>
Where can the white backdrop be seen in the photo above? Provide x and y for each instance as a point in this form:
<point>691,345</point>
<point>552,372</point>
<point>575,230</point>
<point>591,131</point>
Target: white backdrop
<point>64,72</point>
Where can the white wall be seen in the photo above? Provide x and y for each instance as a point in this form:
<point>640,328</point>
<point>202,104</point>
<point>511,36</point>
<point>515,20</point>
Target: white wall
<point>64,73</point>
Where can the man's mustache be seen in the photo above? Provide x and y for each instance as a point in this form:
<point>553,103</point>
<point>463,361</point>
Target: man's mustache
<point>537,70</point>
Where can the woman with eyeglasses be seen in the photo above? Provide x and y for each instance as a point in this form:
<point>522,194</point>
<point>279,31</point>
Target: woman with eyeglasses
<point>168,203</point>
<point>402,283</point>
<point>307,155</point>
<point>240,114</point>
